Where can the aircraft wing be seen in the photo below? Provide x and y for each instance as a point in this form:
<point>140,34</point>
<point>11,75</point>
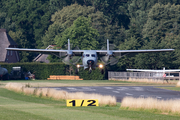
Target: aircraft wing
<point>42,50</point>
<point>136,51</point>
<point>145,70</point>
<point>35,50</point>
<point>79,52</point>
<point>49,51</point>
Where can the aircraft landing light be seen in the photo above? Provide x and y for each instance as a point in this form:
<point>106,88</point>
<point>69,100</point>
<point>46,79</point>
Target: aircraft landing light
<point>100,66</point>
<point>78,66</point>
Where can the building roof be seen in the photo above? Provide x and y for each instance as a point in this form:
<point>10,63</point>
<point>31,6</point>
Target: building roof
<point>5,42</point>
<point>42,58</point>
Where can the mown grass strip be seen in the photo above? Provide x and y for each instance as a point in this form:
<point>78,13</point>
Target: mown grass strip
<point>11,114</point>
<point>45,83</point>
<point>18,106</point>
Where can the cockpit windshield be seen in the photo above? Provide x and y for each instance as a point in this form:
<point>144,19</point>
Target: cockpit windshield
<point>87,55</point>
<point>93,55</point>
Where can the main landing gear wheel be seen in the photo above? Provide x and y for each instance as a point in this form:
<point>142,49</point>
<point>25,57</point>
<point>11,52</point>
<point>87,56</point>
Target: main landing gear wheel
<point>102,71</point>
<point>76,72</point>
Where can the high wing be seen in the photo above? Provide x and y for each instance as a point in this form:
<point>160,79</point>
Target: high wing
<point>44,51</point>
<point>98,51</point>
<point>107,56</point>
<point>105,52</point>
<point>58,53</point>
<point>146,70</point>
<point>79,52</point>
<point>135,51</point>
<point>112,56</point>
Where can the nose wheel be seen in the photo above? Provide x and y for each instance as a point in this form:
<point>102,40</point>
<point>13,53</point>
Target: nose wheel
<point>90,70</point>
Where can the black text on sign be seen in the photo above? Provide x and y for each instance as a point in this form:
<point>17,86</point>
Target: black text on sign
<point>82,102</point>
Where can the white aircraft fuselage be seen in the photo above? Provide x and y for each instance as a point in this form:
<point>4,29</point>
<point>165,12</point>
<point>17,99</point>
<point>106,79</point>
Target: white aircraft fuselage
<point>90,59</point>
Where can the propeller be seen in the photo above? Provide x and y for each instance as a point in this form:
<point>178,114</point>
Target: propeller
<point>66,60</point>
<point>109,58</point>
<point>69,58</point>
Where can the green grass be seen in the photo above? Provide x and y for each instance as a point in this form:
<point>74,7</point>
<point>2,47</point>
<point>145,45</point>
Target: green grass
<point>82,83</point>
<point>16,106</point>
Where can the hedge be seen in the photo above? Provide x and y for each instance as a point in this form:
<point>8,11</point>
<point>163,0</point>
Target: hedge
<point>41,70</point>
<point>44,70</point>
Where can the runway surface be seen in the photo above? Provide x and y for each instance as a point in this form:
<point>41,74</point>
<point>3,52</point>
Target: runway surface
<point>120,92</point>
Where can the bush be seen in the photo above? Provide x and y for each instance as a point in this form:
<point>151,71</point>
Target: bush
<point>44,70</point>
<point>94,75</point>
<point>41,70</point>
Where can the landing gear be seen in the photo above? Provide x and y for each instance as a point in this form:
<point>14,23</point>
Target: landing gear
<point>90,70</point>
<point>102,71</point>
<point>77,71</point>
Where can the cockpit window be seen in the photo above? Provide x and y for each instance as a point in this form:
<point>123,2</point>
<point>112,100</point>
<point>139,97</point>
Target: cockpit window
<point>87,55</point>
<point>93,55</point>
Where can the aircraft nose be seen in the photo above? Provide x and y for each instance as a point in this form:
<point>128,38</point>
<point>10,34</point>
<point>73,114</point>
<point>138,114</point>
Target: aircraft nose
<point>90,62</point>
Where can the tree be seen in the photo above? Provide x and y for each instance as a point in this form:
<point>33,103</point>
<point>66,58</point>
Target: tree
<point>128,61</point>
<point>5,22</point>
<point>114,9</point>
<point>80,33</point>
<point>160,31</point>
<point>162,19</point>
<point>31,18</point>
<point>55,5</point>
<point>64,18</point>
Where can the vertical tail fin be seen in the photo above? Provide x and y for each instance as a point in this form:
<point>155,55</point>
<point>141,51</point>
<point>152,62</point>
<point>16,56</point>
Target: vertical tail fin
<point>107,45</point>
<point>68,44</point>
<point>163,70</point>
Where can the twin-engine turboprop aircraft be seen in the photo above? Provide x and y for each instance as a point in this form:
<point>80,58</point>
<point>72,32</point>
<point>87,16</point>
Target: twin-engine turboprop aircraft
<point>89,57</point>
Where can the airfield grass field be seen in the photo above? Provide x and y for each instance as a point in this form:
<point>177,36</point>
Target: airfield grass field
<point>54,83</point>
<point>17,106</point>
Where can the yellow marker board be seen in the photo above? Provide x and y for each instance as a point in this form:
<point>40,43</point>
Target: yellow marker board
<point>82,102</point>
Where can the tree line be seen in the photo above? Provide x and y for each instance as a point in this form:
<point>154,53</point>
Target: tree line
<point>129,24</point>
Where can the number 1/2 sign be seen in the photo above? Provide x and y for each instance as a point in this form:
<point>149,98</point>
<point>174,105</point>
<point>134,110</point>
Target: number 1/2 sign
<point>82,102</point>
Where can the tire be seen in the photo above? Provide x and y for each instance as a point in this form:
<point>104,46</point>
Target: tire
<point>102,71</point>
<point>76,72</point>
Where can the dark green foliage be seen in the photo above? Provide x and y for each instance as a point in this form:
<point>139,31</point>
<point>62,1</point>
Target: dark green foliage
<point>94,75</point>
<point>41,70</point>
<point>44,70</point>
<point>5,22</point>
<point>129,24</point>
<point>80,33</point>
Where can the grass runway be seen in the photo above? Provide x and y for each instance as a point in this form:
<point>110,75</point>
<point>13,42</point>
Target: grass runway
<point>16,106</point>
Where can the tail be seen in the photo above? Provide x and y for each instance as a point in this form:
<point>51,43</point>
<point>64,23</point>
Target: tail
<point>107,45</point>
<point>68,44</point>
<point>163,70</point>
